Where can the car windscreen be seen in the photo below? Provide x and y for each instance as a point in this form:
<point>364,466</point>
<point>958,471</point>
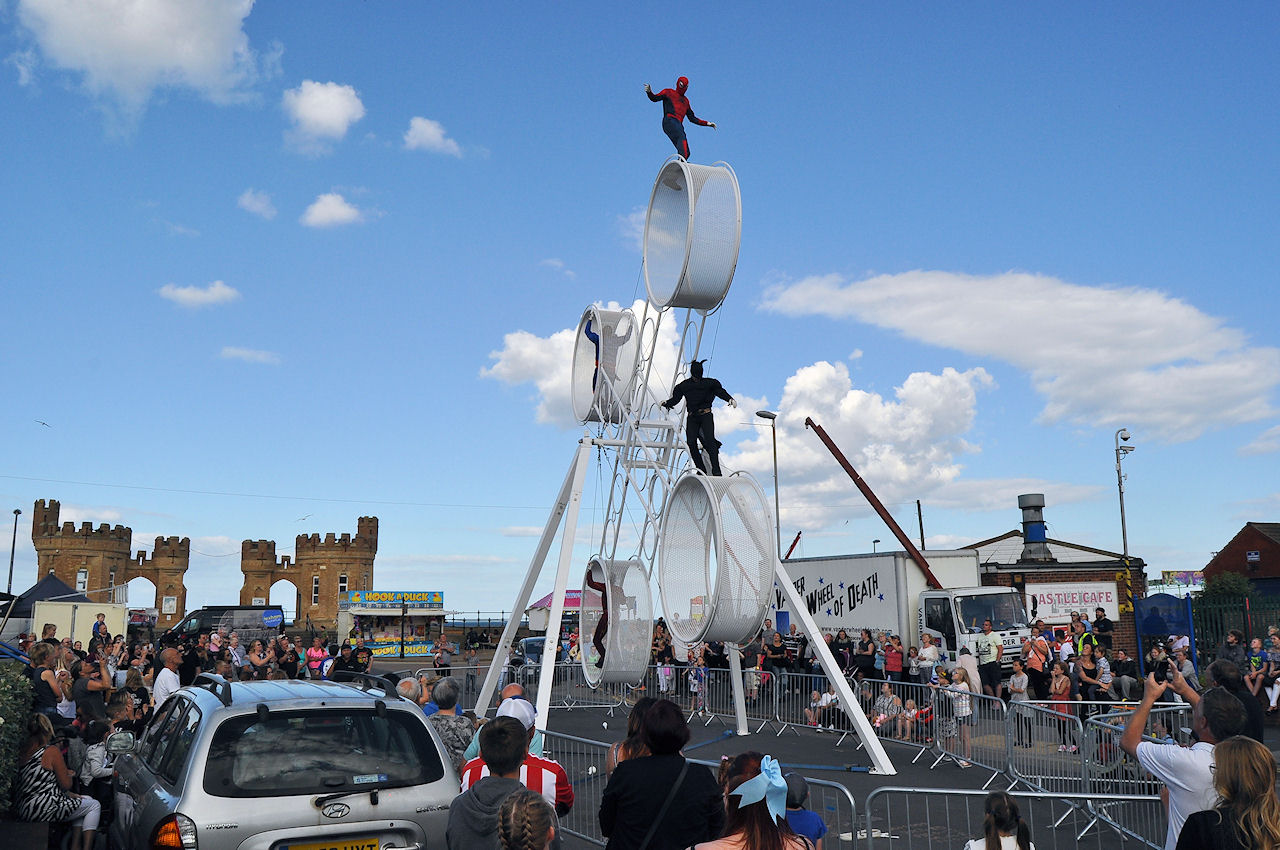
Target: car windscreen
<point>1004,610</point>
<point>319,751</point>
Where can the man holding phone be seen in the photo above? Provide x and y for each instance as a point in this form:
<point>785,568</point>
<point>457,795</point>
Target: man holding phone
<point>1186,772</point>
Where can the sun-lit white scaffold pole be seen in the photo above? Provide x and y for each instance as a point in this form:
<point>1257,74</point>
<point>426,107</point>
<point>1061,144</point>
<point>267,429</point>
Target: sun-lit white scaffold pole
<point>565,507</point>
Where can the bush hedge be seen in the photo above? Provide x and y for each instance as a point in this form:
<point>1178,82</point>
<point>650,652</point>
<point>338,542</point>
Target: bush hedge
<point>15,706</point>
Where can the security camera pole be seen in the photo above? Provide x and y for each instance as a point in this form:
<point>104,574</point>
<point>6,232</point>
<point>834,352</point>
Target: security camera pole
<point>1122,436</point>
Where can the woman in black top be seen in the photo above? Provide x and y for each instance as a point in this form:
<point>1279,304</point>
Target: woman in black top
<point>842,647</point>
<point>640,787</point>
<point>287,658</point>
<point>865,659</point>
<point>1247,816</point>
<point>48,688</point>
<point>137,691</point>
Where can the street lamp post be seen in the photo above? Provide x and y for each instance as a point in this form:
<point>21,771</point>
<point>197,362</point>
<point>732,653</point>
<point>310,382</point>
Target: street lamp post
<point>777,515</point>
<point>13,545</point>
<point>1122,436</point>
<point>874,544</point>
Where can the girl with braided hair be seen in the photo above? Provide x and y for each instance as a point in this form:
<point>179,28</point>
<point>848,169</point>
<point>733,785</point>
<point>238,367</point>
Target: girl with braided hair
<point>526,821</point>
<point>1003,828</point>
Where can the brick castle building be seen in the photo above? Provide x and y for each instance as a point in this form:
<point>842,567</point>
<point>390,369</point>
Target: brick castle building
<point>98,563</point>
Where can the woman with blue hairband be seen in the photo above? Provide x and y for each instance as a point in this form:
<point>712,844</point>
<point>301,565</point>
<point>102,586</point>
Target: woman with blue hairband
<point>756,807</point>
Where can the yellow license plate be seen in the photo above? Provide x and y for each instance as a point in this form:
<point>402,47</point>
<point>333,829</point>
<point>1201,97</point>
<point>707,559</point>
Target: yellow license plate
<point>364,843</point>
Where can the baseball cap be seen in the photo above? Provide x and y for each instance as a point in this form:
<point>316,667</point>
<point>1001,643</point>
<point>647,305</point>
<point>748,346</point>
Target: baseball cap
<point>519,708</point>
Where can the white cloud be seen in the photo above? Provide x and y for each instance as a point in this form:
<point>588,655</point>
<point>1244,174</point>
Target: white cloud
<point>1001,494</point>
<point>176,229</point>
<point>1268,442</point>
<point>521,531</point>
<point>197,296</point>
<point>631,227</point>
<point>95,514</point>
<point>427,135</point>
<point>558,265</point>
<point>321,112</point>
<point>250,355</point>
<point>1101,357</point>
<point>126,50</point>
<point>546,362</point>
<point>907,447</point>
<point>330,210</point>
<point>258,203</point>
<point>24,62</point>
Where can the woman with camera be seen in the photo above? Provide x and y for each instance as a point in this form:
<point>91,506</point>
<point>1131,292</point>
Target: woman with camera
<point>50,686</point>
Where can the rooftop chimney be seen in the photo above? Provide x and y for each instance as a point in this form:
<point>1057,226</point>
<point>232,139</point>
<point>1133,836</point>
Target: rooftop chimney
<point>1034,547</point>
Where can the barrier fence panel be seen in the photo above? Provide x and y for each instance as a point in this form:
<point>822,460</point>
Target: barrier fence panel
<point>1112,771</point>
<point>585,762</point>
<point>970,729</point>
<point>1043,745</point>
<point>930,818</point>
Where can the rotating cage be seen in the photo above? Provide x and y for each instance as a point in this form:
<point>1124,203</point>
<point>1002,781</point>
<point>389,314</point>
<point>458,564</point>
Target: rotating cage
<point>606,351</point>
<point>716,558</point>
<point>691,235</point>
<point>627,633</point>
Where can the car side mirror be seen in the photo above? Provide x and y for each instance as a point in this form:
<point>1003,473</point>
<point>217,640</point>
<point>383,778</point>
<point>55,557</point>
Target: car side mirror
<point>119,743</point>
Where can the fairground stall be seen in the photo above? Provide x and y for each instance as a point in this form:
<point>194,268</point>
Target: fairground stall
<point>394,623</point>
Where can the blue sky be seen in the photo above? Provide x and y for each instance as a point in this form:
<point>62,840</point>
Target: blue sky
<point>262,265</point>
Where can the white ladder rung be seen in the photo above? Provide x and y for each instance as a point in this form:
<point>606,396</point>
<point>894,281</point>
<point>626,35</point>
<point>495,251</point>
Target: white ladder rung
<point>643,463</point>
<point>664,424</point>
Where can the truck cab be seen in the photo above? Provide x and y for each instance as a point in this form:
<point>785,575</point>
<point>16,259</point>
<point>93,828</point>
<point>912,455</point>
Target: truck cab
<point>954,617</point>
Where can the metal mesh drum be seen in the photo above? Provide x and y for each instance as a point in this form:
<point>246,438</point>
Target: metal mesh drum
<point>691,235</point>
<point>716,558</point>
<point>627,634</point>
<point>605,353</point>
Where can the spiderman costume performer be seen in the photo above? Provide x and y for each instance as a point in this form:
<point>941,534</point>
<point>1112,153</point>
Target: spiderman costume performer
<point>675,106</point>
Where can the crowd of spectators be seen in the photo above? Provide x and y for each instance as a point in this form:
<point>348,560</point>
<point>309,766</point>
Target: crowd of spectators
<point>81,695</point>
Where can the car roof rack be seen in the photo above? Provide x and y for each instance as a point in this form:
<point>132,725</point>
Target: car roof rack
<point>365,681</point>
<point>216,685</point>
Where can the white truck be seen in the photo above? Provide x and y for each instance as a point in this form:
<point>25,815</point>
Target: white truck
<point>888,592</point>
<point>76,619</point>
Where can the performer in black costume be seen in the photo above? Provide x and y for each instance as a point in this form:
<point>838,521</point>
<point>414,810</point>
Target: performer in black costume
<point>699,426</point>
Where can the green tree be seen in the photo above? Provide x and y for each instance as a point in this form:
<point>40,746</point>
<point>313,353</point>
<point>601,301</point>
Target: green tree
<point>15,705</point>
<point>1227,585</point>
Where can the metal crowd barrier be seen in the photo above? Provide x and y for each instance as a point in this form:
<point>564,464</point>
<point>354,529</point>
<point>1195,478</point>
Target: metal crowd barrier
<point>1039,740</point>
<point>585,763</point>
<point>929,818</point>
<point>1112,771</point>
<point>569,688</point>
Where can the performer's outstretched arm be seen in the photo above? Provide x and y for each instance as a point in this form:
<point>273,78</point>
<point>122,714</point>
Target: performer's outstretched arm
<point>654,97</point>
<point>696,120</point>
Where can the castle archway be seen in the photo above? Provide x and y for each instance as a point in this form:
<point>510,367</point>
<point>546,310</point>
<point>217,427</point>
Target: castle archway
<point>141,592</point>
<point>288,596</point>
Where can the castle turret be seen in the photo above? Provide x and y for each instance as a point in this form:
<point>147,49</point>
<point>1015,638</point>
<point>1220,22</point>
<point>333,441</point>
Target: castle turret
<point>333,565</point>
<point>166,569</point>
<point>91,560</point>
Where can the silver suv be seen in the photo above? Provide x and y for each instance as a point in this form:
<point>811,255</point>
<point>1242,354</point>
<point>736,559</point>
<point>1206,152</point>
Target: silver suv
<point>282,765</point>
